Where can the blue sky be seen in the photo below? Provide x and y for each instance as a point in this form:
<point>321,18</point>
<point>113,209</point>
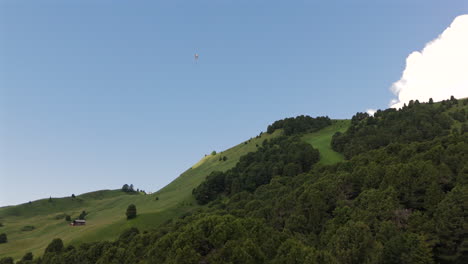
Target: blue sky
<point>95,94</point>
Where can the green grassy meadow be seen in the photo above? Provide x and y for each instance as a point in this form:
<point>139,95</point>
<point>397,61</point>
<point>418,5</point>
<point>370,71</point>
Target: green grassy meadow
<point>322,138</point>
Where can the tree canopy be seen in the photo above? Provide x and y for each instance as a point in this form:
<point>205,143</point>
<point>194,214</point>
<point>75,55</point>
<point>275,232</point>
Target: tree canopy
<point>131,211</point>
<point>3,238</point>
<point>299,124</point>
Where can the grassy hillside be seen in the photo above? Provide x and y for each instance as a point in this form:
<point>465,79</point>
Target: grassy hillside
<point>106,208</point>
<point>321,141</point>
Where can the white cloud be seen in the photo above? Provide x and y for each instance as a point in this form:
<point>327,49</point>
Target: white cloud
<point>371,112</point>
<point>439,70</point>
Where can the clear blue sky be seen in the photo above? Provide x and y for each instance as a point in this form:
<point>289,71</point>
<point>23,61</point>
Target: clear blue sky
<point>95,94</point>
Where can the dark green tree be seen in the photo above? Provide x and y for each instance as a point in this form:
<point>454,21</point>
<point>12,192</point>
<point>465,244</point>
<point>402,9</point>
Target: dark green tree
<point>128,234</point>
<point>291,169</point>
<point>55,246</point>
<point>407,249</point>
<point>3,238</point>
<point>7,260</point>
<point>131,211</point>
<point>27,257</point>
<point>294,252</point>
<point>353,243</point>
<point>450,224</point>
<point>83,215</point>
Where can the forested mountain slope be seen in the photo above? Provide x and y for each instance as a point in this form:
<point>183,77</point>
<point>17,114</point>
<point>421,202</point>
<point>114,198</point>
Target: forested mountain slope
<point>399,197</point>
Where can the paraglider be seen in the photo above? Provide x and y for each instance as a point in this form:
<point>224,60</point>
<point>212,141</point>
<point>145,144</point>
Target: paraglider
<point>196,57</point>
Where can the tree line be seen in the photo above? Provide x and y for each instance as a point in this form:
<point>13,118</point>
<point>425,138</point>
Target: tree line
<point>299,124</point>
<point>414,122</point>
